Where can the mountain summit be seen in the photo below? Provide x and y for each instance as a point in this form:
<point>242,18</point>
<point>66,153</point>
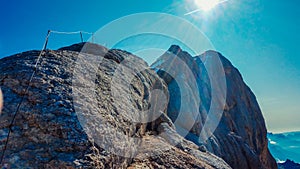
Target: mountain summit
<point>91,107</point>
<point>240,136</point>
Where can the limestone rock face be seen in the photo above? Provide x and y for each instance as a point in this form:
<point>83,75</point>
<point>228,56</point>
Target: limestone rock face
<point>238,133</point>
<point>65,120</point>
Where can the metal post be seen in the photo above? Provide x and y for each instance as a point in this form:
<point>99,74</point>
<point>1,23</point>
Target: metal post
<point>81,36</point>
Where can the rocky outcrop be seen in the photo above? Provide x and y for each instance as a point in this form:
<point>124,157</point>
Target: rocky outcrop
<point>238,133</point>
<point>65,120</point>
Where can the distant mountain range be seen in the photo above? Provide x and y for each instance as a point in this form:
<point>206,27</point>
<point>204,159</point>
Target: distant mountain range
<point>288,164</point>
<point>285,146</point>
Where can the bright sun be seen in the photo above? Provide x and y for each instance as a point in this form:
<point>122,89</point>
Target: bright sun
<point>206,5</point>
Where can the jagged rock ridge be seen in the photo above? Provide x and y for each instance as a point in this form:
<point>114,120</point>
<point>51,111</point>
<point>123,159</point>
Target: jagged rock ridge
<point>46,132</point>
<point>240,138</point>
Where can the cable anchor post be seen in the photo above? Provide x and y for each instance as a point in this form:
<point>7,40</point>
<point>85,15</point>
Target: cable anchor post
<point>81,37</point>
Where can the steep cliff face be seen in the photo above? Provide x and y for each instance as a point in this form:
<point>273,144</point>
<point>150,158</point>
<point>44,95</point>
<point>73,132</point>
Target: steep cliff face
<point>240,135</point>
<point>242,132</point>
<point>72,121</point>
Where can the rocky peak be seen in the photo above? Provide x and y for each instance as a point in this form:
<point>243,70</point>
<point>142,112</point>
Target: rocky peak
<point>240,137</point>
<point>72,114</point>
<point>175,49</point>
<point>86,47</point>
<point>65,122</point>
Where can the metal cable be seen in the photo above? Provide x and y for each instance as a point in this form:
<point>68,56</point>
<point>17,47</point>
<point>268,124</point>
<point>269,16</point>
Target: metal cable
<point>31,77</point>
<point>22,99</point>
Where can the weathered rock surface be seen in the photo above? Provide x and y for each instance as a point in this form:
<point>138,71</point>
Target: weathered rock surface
<point>240,137</point>
<point>46,131</point>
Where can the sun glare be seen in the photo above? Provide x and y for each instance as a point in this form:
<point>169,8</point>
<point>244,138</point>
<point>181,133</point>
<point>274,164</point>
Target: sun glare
<point>206,5</point>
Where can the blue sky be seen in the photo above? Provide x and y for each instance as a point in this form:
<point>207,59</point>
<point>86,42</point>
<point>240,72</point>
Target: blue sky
<point>260,37</point>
